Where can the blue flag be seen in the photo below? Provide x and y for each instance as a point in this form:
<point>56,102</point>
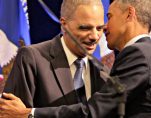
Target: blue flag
<point>13,27</point>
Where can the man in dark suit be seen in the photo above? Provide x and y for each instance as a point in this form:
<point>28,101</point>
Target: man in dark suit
<point>43,74</point>
<point>127,30</point>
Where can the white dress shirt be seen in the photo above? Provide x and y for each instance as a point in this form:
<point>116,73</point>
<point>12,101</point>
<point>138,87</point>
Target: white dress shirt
<point>86,71</point>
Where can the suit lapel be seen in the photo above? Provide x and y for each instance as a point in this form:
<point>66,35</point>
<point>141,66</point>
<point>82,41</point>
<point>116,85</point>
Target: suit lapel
<point>96,81</point>
<point>61,67</point>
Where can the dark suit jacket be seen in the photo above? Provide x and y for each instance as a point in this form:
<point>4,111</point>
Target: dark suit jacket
<point>42,79</point>
<point>133,67</point>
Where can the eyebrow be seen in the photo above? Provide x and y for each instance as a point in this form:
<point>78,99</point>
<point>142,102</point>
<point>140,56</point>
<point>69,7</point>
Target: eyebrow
<point>87,26</point>
<point>84,26</point>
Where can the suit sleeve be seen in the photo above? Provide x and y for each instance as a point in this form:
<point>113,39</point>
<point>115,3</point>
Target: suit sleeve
<point>65,111</point>
<point>21,81</point>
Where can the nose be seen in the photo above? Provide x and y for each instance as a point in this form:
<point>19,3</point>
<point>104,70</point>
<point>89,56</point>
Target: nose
<point>94,35</point>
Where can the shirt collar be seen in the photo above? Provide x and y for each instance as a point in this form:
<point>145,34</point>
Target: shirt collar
<point>133,40</point>
<point>70,56</point>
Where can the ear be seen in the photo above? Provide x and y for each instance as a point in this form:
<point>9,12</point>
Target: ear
<point>131,13</point>
<point>63,23</point>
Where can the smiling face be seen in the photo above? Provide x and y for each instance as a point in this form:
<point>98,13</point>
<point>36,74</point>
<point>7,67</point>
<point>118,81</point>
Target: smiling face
<point>86,25</point>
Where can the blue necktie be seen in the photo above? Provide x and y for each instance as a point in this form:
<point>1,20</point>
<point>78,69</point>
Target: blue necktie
<point>78,81</point>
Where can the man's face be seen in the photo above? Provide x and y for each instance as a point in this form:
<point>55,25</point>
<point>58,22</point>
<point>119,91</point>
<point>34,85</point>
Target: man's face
<point>115,27</point>
<point>86,26</point>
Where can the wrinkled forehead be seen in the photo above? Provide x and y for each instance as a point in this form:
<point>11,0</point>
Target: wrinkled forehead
<point>92,11</point>
<point>89,8</point>
<point>88,16</point>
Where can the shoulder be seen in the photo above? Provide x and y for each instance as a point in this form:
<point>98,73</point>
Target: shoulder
<point>43,48</point>
<point>141,47</point>
<point>136,55</point>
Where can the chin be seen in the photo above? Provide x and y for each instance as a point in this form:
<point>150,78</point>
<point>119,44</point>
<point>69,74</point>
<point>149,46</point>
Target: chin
<point>90,51</point>
<point>110,47</point>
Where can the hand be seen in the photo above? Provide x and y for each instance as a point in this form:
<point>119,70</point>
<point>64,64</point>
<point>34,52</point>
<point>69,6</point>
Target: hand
<point>13,107</point>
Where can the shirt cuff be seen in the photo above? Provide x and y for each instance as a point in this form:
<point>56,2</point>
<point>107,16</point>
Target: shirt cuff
<point>33,111</point>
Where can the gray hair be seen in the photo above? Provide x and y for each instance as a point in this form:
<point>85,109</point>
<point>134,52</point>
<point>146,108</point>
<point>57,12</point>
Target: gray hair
<point>68,7</point>
<point>143,10</point>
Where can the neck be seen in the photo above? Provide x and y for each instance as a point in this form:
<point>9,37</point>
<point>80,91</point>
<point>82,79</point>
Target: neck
<point>132,31</point>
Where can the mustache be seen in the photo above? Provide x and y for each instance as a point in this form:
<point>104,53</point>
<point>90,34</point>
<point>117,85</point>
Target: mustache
<point>91,42</point>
